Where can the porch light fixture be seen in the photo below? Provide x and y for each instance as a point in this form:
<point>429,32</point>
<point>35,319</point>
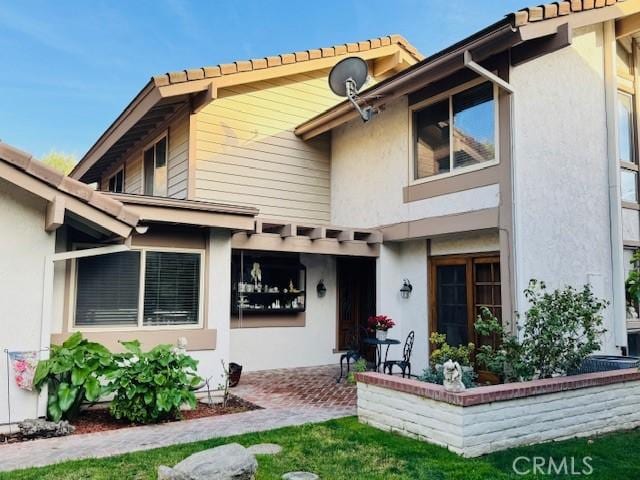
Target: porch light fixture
<point>321,289</point>
<point>406,289</point>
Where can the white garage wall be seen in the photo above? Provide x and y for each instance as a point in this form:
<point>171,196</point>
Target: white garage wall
<point>24,245</point>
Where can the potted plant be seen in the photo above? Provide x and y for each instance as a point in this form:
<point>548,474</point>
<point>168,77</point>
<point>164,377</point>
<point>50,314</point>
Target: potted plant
<point>441,351</point>
<point>381,324</point>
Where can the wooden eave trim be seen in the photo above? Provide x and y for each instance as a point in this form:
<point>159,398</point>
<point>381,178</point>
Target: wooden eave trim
<point>72,204</point>
<point>140,105</point>
<point>167,202</point>
<point>430,227</point>
<point>303,244</point>
<point>201,218</point>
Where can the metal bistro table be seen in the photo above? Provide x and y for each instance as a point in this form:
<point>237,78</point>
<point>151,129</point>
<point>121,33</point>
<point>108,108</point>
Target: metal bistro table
<point>378,344</point>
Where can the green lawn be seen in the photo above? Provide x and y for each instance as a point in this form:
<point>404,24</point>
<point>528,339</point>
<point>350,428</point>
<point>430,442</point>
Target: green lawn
<point>345,449</point>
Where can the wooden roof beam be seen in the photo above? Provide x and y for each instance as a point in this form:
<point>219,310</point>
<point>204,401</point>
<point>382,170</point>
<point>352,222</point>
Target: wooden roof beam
<point>628,25</point>
<point>54,217</point>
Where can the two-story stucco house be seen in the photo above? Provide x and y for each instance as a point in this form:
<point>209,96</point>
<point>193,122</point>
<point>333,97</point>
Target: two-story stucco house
<point>273,221</point>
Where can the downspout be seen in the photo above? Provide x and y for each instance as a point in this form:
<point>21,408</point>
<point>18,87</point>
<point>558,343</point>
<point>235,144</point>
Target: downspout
<point>47,300</point>
<point>511,244</point>
<point>615,202</point>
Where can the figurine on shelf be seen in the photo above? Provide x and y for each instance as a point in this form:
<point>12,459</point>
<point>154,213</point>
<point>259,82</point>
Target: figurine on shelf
<point>256,274</point>
<point>292,289</point>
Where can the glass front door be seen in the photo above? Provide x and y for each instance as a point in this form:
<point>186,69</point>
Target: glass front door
<point>460,287</point>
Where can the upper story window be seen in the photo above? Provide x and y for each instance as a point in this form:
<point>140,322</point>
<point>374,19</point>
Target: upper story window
<point>116,182</point>
<point>627,138</point>
<point>155,168</point>
<point>455,134</point>
<point>139,288</point>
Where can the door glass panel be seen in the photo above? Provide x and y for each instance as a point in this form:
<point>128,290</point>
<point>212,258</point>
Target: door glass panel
<point>452,303</point>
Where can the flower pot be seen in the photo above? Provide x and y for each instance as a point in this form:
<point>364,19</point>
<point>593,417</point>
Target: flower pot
<point>381,335</point>
<point>486,377</point>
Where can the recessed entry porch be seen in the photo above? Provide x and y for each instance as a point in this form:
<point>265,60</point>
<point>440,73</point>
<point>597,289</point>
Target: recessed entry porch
<point>299,293</point>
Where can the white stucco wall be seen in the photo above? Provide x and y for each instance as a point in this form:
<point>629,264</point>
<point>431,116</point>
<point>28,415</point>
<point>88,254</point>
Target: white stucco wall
<point>471,242</point>
<point>561,196</point>
<point>398,261</point>
<point>370,167</point>
<point>24,245</point>
<point>288,347</point>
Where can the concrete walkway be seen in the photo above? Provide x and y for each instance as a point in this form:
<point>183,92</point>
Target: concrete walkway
<point>289,397</point>
<point>105,444</point>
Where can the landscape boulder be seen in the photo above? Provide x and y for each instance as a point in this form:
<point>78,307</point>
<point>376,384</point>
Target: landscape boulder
<point>227,462</point>
<point>40,428</point>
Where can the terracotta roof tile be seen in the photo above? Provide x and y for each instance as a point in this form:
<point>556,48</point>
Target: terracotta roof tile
<point>284,59</point>
<point>328,51</point>
<point>556,9</point>
<point>243,66</point>
<point>29,165</point>
<point>195,74</point>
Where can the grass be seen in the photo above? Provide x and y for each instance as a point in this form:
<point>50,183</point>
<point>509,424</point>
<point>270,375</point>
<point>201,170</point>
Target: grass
<point>345,449</point>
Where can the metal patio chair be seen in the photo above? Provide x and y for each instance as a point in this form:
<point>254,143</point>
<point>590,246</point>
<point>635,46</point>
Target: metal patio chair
<point>405,363</point>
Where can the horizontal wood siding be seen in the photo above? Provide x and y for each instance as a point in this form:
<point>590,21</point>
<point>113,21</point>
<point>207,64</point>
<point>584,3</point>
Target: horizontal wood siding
<point>178,161</point>
<point>247,153</point>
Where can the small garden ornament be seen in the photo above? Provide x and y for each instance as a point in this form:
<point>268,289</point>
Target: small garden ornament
<point>453,377</point>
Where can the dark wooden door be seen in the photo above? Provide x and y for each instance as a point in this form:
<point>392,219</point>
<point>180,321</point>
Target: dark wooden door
<point>356,281</point>
<point>460,286</point>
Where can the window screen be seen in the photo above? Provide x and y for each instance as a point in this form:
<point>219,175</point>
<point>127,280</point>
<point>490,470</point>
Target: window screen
<point>171,288</point>
<point>107,289</point>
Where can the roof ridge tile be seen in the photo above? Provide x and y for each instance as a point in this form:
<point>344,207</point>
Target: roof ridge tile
<point>238,66</point>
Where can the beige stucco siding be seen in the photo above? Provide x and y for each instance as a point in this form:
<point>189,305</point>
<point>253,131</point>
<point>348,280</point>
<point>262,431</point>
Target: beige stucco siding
<point>24,244</point>
<point>247,153</point>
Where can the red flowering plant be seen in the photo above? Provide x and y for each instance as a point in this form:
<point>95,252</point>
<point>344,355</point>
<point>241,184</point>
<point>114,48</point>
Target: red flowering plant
<point>381,322</point>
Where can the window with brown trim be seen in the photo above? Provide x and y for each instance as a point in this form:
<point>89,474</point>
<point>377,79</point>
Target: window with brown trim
<point>460,286</point>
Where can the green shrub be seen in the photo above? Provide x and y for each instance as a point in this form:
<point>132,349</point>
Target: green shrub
<point>151,387</point>
<point>561,328</point>
<point>442,351</point>
<point>437,376</point>
<point>358,366</point>
<point>73,373</point>
<point>504,355</point>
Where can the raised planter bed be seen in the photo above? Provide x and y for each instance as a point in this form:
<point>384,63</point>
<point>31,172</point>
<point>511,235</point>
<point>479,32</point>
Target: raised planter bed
<point>487,419</point>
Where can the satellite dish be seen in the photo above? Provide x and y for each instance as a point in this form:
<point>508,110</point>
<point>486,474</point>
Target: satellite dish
<point>346,78</point>
<point>352,68</point>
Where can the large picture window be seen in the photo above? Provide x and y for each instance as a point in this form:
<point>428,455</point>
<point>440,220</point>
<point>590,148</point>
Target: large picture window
<point>456,133</point>
<point>139,288</point>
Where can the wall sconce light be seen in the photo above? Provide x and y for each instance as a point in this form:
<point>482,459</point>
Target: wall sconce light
<point>406,289</point>
<point>321,289</point>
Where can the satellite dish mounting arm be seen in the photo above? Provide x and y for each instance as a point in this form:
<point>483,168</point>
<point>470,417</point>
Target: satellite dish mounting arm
<point>352,94</point>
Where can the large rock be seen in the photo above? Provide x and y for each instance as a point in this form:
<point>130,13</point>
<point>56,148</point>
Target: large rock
<point>228,462</point>
<point>38,427</point>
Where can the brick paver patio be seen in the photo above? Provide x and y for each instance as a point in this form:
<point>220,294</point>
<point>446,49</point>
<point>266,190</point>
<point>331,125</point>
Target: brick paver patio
<point>288,397</point>
<point>310,387</point>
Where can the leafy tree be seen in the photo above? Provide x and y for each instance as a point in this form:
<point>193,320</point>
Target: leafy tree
<point>63,162</point>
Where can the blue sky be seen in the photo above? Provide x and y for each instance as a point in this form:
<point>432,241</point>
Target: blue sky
<point>70,67</point>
